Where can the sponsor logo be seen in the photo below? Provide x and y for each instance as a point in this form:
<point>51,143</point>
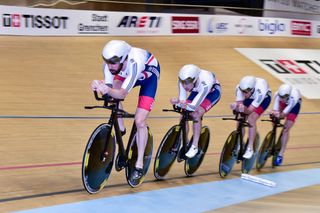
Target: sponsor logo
<point>301,28</point>
<point>305,69</point>
<point>271,27</point>
<point>243,26</point>
<point>140,22</point>
<point>98,25</point>
<point>34,21</point>
<point>185,24</point>
<point>283,66</point>
<point>215,26</point>
<point>143,24</point>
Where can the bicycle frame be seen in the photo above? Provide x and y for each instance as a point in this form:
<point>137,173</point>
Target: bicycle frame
<point>116,113</point>
<point>275,124</point>
<point>232,151</point>
<point>241,118</point>
<point>185,118</point>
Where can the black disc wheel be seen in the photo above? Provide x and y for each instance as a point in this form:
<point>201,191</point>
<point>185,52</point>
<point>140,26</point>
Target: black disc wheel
<point>132,151</point>
<point>248,164</point>
<point>98,159</point>
<point>167,152</point>
<point>192,164</point>
<point>229,154</point>
<point>265,151</point>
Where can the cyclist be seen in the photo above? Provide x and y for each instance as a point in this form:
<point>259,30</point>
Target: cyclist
<point>253,97</point>
<point>126,67</point>
<point>205,92</point>
<point>287,103</point>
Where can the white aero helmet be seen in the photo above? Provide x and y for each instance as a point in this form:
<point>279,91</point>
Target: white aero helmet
<point>115,51</point>
<point>189,73</point>
<point>284,90</point>
<point>247,83</point>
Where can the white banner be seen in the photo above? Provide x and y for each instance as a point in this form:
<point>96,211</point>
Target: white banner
<point>33,21</point>
<point>55,22</point>
<point>297,67</point>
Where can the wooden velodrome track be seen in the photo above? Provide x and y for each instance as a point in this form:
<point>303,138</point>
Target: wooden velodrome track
<point>40,158</point>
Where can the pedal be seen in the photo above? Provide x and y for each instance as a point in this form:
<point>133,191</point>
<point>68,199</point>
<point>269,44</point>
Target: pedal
<point>181,157</point>
<point>121,165</point>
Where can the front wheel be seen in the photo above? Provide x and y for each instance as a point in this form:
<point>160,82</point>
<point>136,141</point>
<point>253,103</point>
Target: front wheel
<point>98,159</point>
<point>132,154</point>
<point>192,164</point>
<point>229,154</point>
<point>167,152</point>
<point>265,150</point>
<point>247,164</point>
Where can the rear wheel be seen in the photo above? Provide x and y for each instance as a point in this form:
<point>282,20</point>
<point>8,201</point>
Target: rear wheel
<point>167,152</point>
<point>132,151</point>
<point>265,150</point>
<point>192,164</point>
<point>229,154</point>
<point>247,164</point>
<point>98,159</point>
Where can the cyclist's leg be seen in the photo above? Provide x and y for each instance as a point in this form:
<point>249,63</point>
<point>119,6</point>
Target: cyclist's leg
<point>290,120</point>
<point>211,99</point>
<point>285,136</point>
<point>252,120</point>
<point>118,80</point>
<point>142,134</point>
<point>197,125</point>
<point>146,99</point>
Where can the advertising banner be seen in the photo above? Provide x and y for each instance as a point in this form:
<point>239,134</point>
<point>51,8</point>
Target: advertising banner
<point>297,67</point>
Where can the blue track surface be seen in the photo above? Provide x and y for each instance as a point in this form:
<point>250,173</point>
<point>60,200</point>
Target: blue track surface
<point>193,198</point>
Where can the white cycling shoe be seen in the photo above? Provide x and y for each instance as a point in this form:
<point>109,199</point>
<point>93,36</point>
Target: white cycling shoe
<point>192,151</point>
<point>248,154</point>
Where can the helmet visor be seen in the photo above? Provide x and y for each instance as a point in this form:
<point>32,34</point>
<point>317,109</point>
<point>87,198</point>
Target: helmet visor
<point>113,60</point>
<point>187,80</point>
<point>285,96</point>
<point>246,90</point>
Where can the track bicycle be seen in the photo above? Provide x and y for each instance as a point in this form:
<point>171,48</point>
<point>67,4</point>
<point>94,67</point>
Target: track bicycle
<point>269,146</point>
<point>99,154</point>
<point>234,148</point>
<point>175,145</point>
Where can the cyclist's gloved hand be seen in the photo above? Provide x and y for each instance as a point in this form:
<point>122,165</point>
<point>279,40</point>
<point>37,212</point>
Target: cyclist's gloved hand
<point>95,84</point>
<point>177,107</point>
<point>233,106</point>
<point>174,101</point>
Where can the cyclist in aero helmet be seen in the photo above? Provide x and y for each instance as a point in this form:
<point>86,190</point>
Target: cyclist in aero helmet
<point>205,92</point>
<point>126,67</point>
<point>252,98</point>
<point>287,103</point>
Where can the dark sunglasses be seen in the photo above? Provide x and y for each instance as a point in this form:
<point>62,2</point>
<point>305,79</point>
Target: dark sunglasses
<point>187,81</point>
<point>113,60</point>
